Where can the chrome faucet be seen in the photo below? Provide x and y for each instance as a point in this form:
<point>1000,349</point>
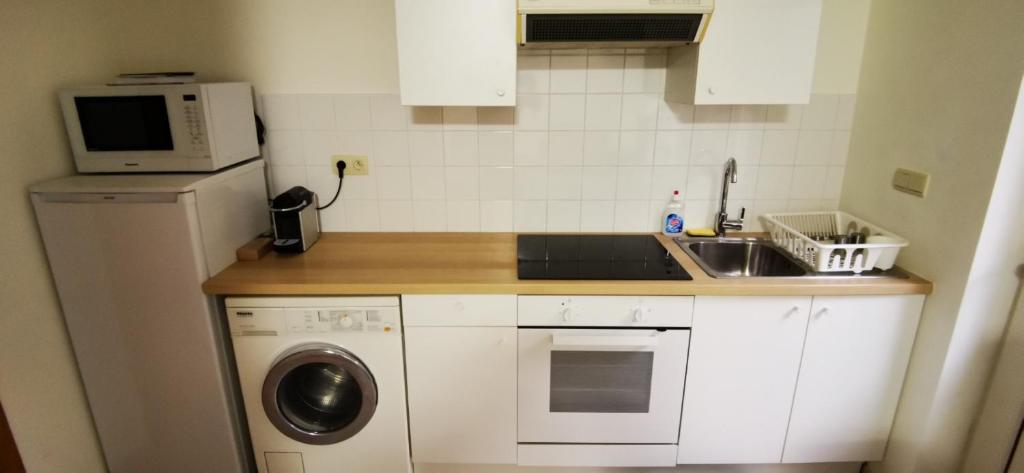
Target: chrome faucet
<point>722,222</point>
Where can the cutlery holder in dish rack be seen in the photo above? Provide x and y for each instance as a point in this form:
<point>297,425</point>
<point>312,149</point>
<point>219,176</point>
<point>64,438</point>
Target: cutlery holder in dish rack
<point>807,236</point>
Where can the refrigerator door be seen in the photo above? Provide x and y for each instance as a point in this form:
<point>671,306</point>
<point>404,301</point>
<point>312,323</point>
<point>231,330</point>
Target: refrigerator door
<point>149,344</point>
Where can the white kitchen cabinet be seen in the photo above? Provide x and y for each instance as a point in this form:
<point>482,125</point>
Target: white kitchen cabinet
<point>743,362</point>
<point>462,394</point>
<point>459,310</point>
<point>855,358</point>
<point>754,52</point>
<point>457,52</point>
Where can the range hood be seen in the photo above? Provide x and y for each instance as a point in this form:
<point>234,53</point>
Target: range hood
<point>611,23</point>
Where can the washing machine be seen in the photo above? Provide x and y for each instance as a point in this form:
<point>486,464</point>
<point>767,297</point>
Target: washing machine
<point>323,383</point>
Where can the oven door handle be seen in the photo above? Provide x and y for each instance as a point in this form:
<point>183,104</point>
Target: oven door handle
<point>561,342</point>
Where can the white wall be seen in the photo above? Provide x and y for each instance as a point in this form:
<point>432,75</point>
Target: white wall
<point>937,97</point>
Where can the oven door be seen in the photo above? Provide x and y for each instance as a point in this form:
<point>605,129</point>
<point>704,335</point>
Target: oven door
<point>601,385</point>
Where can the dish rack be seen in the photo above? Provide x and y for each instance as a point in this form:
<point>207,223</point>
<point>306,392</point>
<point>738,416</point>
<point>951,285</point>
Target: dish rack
<point>809,237</point>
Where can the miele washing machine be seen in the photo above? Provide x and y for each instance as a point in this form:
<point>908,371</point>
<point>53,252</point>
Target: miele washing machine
<point>323,383</point>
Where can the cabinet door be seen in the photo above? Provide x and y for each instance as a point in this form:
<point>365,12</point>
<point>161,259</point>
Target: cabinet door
<point>754,52</point>
<point>744,356</point>
<point>855,358</point>
<point>462,394</point>
<point>456,52</point>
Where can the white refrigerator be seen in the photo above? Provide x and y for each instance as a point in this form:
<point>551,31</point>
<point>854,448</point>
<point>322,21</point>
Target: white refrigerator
<point>128,255</point>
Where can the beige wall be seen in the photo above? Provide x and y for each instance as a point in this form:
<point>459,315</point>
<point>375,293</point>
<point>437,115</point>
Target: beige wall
<point>320,46</point>
<point>840,46</point>
<point>936,96</point>
<point>42,46</point>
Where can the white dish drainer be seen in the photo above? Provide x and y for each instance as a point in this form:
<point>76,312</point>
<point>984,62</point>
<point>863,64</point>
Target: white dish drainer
<point>804,235</point>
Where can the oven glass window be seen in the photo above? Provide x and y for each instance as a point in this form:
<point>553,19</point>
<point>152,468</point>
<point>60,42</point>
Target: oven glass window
<point>601,381</point>
<point>133,123</point>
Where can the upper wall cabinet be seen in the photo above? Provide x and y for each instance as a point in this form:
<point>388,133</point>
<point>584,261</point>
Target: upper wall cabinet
<point>754,52</point>
<point>457,52</point>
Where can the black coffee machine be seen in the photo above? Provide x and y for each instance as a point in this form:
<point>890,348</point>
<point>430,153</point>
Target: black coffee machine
<point>296,220</point>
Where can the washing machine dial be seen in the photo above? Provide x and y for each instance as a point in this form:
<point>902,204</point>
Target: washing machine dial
<point>345,321</point>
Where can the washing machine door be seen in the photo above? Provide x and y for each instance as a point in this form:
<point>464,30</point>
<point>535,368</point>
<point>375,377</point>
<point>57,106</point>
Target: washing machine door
<point>319,394</point>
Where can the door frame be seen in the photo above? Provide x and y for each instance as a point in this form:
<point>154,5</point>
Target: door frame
<point>10,459</point>
<point>996,437</point>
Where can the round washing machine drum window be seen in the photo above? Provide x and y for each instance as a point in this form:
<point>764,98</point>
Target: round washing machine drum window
<point>319,394</point>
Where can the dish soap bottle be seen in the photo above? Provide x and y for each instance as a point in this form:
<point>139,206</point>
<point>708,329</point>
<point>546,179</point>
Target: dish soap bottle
<point>672,218</point>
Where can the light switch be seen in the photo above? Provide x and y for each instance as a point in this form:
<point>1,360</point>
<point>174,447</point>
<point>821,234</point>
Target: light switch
<point>911,182</point>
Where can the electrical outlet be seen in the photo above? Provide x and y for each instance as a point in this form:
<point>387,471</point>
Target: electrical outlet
<point>354,165</point>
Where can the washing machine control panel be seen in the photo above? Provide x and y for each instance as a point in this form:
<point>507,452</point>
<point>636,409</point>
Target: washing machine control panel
<point>273,322</point>
<point>342,320</point>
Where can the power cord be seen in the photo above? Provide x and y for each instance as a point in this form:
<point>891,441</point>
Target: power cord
<point>341,177</point>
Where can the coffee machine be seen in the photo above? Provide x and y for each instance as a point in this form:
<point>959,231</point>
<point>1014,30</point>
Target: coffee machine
<point>296,220</point>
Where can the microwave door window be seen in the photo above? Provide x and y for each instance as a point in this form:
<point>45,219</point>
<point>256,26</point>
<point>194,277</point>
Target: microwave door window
<point>133,123</point>
<point>601,381</point>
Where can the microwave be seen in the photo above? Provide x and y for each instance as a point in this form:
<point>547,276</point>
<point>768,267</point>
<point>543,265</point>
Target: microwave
<point>160,128</point>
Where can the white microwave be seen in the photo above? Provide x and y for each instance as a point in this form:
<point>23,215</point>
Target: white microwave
<point>160,128</point>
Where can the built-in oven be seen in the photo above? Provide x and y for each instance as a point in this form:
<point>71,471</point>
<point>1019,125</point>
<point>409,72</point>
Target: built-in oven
<point>601,378</point>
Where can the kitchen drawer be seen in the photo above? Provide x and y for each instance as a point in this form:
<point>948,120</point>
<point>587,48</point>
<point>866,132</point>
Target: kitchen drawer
<point>605,311</point>
<point>459,310</point>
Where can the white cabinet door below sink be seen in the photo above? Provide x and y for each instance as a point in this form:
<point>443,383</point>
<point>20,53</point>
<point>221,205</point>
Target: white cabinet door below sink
<point>744,356</point>
<point>854,361</point>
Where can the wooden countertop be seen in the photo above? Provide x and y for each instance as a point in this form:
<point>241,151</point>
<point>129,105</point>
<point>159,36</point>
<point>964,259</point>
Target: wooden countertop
<point>483,263</point>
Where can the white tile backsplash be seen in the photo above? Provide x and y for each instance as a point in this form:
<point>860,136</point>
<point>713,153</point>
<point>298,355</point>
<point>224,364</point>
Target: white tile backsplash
<point>636,148</point>
<point>604,111</point>
<point>316,112</point>
<point>567,112</point>
<point>496,148</point>
<point>605,74</point>
<point>531,148</point>
<point>601,148</point>
<point>565,148</point>
<point>591,146</point>
<point>463,216</point>
<point>460,148</point>
<point>531,216</point>
<point>391,148</point>
<point>497,183</point>
<point>352,112</point>
<point>387,113</point>
<point>640,111</point>
<point>426,148</point>
<point>459,118</point>
<point>569,74</point>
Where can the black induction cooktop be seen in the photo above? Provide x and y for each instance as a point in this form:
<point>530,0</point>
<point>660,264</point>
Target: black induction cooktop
<point>611,257</point>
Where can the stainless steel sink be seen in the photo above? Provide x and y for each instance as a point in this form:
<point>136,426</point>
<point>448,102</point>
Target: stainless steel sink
<point>740,257</point>
<point>747,257</point>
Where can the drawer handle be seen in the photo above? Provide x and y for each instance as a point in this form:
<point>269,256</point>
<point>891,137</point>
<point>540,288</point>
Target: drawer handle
<point>602,343</point>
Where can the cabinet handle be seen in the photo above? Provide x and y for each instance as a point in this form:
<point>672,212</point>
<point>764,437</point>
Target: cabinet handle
<point>792,310</point>
<point>711,91</point>
<point>822,312</point>
<point>500,92</point>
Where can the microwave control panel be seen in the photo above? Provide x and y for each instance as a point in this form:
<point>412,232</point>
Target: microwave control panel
<point>194,123</point>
